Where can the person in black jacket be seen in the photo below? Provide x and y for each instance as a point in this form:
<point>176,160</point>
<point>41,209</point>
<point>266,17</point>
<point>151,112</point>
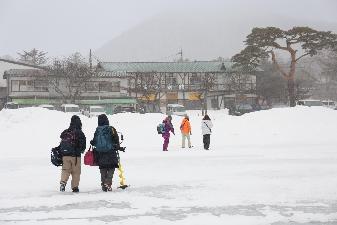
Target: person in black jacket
<point>106,141</point>
<point>73,144</point>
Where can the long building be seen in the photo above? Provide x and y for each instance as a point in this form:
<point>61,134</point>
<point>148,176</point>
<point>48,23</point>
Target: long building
<point>148,84</point>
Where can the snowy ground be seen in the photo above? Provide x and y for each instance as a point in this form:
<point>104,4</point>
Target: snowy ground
<point>271,167</point>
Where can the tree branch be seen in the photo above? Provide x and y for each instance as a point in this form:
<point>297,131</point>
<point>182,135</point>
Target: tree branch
<point>302,56</point>
<point>276,45</point>
<point>273,58</point>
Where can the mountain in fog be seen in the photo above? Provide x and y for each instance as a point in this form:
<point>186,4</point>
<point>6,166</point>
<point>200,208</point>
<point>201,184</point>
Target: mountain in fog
<point>202,35</point>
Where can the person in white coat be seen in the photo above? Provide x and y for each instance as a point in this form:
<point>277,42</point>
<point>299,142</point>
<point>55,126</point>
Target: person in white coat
<point>206,126</point>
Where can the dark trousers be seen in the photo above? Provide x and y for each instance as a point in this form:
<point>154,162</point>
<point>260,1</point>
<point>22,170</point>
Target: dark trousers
<point>106,175</point>
<point>207,140</point>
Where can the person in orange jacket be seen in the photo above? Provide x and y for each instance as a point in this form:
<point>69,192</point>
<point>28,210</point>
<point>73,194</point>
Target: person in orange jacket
<point>185,128</point>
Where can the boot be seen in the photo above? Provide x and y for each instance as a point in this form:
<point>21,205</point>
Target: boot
<point>62,186</point>
<point>104,188</point>
<point>75,189</point>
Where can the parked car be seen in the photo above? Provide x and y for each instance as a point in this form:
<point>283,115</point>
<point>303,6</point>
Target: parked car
<point>50,107</point>
<point>175,109</point>
<point>240,109</point>
<point>123,109</point>
<point>310,102</point>
<point>94,110</point>
<point>11,105</point>
<point>329,104</point>
<point>71,108</point>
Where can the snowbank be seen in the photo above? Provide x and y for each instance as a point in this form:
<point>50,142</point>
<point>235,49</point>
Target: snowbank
<point>277,166</point>
<point>33,131</point>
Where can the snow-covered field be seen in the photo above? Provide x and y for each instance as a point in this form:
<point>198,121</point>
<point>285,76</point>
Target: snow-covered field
<point>270,167</point>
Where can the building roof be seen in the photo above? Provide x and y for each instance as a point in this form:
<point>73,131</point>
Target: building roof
<point>23,72</point>
<point>33,101</point>
<point>166,67</point>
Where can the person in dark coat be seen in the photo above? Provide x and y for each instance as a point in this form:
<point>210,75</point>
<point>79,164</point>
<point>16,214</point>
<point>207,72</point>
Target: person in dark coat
<point>168,127</point>
<point>106,158</point>
<point>73,144</point>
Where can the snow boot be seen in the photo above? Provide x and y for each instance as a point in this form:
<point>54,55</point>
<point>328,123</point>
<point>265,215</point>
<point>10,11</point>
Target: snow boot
<point>104,187</point>
<point>62,186</point>
<point>75,189</point>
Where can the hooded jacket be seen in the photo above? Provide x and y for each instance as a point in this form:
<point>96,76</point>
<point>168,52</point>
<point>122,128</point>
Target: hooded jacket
<point>109,158</point>
<point>167,128</point>
<point>80,139</point>
<point>185,126</point>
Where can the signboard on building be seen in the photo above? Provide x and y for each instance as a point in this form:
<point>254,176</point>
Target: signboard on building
<point>194,96</point>
<point>172,96</point>
<point>150,97</point>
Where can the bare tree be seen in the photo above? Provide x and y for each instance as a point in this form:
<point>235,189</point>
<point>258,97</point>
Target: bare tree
<point>147,87</point>
<point>68,77</point>
<point>208,82</point>
<point>34,57</point>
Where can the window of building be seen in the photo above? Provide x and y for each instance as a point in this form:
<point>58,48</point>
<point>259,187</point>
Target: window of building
<point>22,85</point>
<point>171,80</point>
<point>15,85</point>
<point>26,85</point>
<point>116,86</point>
<point>41,85</point>
<point>195,79</point>
<point>105,86</point>
<point>92,86</point>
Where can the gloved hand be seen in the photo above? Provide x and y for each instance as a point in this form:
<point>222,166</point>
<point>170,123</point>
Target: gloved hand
<point>190,133</point>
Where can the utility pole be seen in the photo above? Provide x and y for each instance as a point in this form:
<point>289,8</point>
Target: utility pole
<point>181,55</point>
<point>90,60</point>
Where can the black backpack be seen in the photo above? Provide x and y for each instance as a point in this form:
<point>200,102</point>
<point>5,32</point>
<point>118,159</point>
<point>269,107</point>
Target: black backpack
<point>56,156</point>
<point>68,142</point>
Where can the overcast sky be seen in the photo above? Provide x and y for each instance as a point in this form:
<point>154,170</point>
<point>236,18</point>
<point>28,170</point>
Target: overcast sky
<point>61,27</point>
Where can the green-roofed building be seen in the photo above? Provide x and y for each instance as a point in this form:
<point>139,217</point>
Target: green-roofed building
<point>186,83</point>
<point>150,85</point>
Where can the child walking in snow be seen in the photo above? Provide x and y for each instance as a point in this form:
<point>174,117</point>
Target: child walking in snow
<point>185,128</point>
<point>168,127</point>
<point>106,141</point>
<point>73,143</point>
<point>206,127</point>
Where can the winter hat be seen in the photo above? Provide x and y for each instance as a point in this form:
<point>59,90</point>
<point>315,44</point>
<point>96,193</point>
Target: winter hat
<point>206,117</point>
<point>103,120</point>
<point>75,122</point>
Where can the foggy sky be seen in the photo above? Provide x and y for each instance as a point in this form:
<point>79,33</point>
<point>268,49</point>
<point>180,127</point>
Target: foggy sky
<point>61,27</point>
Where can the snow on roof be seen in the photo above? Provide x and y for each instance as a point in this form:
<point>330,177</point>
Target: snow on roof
<point>169,67</point>
<point>69,105</point>
<point>174,105</point>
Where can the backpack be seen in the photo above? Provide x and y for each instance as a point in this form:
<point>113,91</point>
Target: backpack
<point>161,128</point>
<point>104,139</point>
<point>68,142</point>
<point>56,156</point>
